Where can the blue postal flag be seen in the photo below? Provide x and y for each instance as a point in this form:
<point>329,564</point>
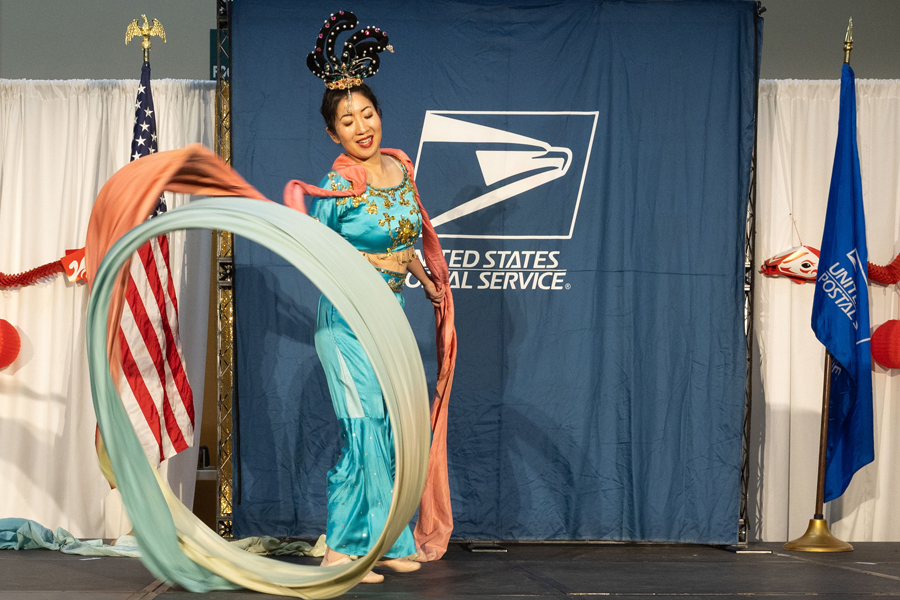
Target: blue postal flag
<point>840,315</point>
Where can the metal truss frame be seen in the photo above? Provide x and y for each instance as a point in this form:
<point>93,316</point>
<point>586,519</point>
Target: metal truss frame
<point>749,273</point>
<point>224,243</point>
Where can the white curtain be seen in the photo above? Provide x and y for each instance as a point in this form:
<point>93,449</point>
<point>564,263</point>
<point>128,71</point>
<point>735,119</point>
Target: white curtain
<point>59,143</point>
<point>796,143</point>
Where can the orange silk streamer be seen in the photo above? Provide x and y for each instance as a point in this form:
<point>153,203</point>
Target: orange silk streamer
<point>130,197</point>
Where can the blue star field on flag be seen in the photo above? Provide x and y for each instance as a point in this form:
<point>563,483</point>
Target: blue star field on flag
<point>144,141</point>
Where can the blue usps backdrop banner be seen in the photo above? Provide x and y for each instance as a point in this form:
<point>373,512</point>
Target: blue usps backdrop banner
<point>587,166</point>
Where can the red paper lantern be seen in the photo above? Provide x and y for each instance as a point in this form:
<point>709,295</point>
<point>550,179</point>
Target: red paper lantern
<point>885,345</point>
<point>9,343</point>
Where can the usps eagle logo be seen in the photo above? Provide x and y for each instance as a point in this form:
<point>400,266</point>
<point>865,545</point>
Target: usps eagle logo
<point>504,175</point>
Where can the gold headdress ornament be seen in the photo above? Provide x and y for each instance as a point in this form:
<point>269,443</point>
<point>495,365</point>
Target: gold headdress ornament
<point>145,31</point>
<point>359,58</point>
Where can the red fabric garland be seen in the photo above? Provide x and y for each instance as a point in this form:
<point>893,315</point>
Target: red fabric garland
<point>29,277</point>
<point>888,274</point>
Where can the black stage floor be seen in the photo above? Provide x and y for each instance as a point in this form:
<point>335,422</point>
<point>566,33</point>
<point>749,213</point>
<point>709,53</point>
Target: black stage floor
<point>633,571</point>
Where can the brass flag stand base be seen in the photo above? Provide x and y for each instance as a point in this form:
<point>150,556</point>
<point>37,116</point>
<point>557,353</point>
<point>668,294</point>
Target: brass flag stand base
<point>818,538</point>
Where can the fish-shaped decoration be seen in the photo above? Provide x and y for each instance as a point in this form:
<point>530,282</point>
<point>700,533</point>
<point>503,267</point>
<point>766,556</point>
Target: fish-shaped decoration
<point>798,264</point>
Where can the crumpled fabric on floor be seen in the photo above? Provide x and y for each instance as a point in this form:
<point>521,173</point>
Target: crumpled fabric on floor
<point>25,534</point>
<point>270,546</point>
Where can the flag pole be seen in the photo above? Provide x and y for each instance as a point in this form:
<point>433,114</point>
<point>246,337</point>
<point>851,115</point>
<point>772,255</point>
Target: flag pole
<point>133,30</point>
<point>818,537</point>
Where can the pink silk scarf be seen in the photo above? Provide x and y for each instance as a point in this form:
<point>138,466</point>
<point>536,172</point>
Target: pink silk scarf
<point>435,522</point>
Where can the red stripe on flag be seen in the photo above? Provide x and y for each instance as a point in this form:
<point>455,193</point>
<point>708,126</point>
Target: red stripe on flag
<point>140,391</point>
<point>163,241</point>
<point>151,344</point>
<point>172,355</point>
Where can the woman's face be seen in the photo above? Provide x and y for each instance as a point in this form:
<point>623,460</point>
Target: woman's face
<point>357,128</point>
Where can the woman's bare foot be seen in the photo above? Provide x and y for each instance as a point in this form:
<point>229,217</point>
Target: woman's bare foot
<point>400,565</point>
<point>372,577</point>
<point>336,558</point>
<point>332,557</point>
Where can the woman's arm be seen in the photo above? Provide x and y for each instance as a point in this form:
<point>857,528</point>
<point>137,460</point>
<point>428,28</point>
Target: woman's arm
<point>418,271</point>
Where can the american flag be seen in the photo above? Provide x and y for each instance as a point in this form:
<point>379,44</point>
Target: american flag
<point>154,385</point>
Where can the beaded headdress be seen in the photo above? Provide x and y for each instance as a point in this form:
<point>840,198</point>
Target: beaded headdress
<point>359,58</point>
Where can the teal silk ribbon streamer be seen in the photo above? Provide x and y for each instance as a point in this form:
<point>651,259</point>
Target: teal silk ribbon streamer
<point>175,545</point>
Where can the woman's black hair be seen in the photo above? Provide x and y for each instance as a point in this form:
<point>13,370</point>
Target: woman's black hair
<point>332,99</point>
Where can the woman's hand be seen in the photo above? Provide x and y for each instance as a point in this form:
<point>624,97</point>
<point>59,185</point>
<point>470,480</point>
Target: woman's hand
<point>432,293</point>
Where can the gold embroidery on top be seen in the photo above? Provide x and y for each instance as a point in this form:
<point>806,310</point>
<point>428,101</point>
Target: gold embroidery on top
<point>337,185</point>
<point>387,221</point>
<point>386,195</point>
<point>407,230</point>
<point>406,233</point>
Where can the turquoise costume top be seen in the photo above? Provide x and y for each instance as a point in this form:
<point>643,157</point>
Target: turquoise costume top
<point>383,222</point>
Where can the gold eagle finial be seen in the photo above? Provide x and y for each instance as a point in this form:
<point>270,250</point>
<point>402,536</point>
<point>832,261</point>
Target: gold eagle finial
<point>145,31</point>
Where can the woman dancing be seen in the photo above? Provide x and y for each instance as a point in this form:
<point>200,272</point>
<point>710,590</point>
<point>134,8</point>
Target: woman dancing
<point>382,222</point>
